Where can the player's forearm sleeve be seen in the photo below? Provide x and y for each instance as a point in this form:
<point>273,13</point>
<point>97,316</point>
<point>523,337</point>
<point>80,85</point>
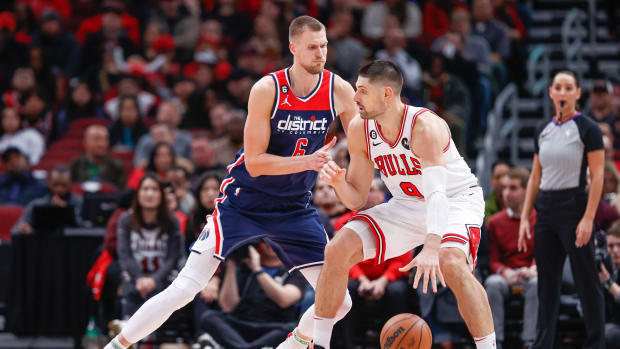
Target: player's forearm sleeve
<point>434,189</point>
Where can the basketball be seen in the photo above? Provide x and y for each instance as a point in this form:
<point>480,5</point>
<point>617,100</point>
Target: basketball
<point>404,331</point>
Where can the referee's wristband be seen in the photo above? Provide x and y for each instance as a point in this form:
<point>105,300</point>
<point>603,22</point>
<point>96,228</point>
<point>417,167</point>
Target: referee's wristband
<point>608,284</point>
<point>257,273</point>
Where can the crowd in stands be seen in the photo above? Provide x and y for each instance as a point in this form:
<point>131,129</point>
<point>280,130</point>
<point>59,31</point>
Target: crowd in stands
<point>146,101</point>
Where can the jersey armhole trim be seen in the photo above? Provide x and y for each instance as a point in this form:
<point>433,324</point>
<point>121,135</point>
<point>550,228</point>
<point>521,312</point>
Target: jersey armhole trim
<point>415,118</point>
<point>367,140</point>
<point>276,99</point>
<point>332,99</point>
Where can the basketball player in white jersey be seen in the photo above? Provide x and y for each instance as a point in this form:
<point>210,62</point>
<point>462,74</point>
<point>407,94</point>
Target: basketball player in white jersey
<point>436,202</point>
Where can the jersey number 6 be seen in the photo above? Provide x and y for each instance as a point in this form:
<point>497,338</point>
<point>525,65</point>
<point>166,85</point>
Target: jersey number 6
<point>298,150</point>
<point>410,189</point>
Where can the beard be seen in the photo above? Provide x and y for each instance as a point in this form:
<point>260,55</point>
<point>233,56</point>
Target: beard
<point>315,68</point>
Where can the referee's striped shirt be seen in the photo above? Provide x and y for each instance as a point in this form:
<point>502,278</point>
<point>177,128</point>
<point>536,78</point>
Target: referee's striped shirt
<point>562,150</point>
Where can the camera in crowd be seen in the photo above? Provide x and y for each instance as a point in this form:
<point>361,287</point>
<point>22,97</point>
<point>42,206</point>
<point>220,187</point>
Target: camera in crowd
<point>601,255</point>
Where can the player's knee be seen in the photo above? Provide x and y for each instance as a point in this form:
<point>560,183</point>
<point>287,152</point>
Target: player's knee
<point>345,307</point>
<point>181,291</point>
<point>453,264</point>
<point>343,247</point>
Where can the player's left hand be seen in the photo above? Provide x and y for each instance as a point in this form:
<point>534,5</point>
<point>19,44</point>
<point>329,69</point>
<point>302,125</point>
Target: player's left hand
<point>332,174</point>
<point>427,263</point>
<point>584,231</point>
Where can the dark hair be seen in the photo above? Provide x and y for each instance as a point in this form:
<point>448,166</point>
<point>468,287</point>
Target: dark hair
<point>180,168</point>
<point>10,151</point>
<point>500,162</point>
<point>151,164</point>
<point>302,23</point>
<point>201,211</point>
<point>132,98</point>
<point>59,170</point>
<point>520,173</point>
<point>36,91</point>
<point>567,72</point>
<point>164,219</point>
<point>383,71</point>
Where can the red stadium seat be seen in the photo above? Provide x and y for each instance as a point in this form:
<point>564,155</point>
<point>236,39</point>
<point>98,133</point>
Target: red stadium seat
<point>124,156</point>
<point>67,143</point>
<point>82,124</point>
<point>9,215</point>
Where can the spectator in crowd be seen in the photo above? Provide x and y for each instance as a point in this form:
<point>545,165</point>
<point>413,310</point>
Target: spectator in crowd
<point>608,274</point>
<point>510,267</point>
<point>128,85</point>
<point>22,81</point>
<point>97,46</point>
<point>173,206</point>
<point>29,141</point>
<point>395,45</point>
<point>59,183</point>
<point>13,53</point>
<point>179,178</point>
<point>149,243</point>
<point>382,283</point>
<point>258,298</point>
<point>326,201</point>
<point>601,101</point>
<point>219,115</point>
<point>17,185</point>
<point>163,158</point>
<point>437,17</point>
<point>226,147</point>
<point>168,114</point>
<point>36,113</point>
<point>376,15</point>
<point>207,190</point>
<point>183,88</point>
<point>238,88</point>
<point>95,164</point>
<point>179,21</point>
<point>495,32</point>
<point>126,131</point>
<point>80,104</point>
<point>495,201</point>
<point>44,76</point>
<point>346,53</point>
<point>59,47</point>
<point>607,212</point>
<point>203,156</point>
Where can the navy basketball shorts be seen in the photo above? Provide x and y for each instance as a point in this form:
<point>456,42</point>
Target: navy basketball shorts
<point>242,216</point>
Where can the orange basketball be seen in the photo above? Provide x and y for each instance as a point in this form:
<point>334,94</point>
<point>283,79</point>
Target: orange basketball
<point>405,331</point>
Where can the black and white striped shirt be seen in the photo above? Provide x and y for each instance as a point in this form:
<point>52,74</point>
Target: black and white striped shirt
<point>562,150</point>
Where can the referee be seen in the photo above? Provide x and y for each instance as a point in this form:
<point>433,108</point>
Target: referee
<point>565,147</point>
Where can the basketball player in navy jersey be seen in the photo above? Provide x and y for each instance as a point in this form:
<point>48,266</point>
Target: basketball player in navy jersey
<point>267,192</point>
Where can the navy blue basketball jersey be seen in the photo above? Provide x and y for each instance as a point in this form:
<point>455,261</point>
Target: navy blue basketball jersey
<point>298,127</point>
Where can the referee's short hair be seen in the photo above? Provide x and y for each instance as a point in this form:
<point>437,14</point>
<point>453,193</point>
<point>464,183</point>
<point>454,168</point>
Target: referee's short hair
<point>520,173</point>
<point>385,72</point>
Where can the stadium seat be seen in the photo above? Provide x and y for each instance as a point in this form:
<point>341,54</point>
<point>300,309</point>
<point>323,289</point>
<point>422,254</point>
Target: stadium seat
<point>9,215</point>
<point>82,124</point>
<point>67,143</point>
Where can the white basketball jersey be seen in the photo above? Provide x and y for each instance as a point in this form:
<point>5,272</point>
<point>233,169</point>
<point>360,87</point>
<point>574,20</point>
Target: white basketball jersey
<point>400,168</point>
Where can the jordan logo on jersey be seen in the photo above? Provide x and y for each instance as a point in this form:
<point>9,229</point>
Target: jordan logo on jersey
<point>285,101</point>
<point>392,165</point>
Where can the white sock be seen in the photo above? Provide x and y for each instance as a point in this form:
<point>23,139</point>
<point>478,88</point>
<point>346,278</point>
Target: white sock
<point>323,331</point>
<point>293,341</point>
<point>486,342</point>
<point>115,344</point>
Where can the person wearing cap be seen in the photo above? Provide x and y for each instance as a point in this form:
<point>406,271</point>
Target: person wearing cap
<point>601,101</point>
<point>174,18</point>
<point>60,48</point>
<point>17,185</point>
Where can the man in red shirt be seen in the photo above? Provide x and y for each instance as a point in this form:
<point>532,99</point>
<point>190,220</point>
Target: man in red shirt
<point>510,268</point>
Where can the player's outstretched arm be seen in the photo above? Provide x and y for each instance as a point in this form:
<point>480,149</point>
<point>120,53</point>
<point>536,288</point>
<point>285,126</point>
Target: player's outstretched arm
<point>345,106</point>
<point>429,138</point>
<point>257,133</point>
<point>352,188</point>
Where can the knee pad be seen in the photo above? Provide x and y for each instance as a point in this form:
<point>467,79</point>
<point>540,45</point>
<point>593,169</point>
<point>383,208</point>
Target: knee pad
<point>345,307</point>
<point>181,291</point>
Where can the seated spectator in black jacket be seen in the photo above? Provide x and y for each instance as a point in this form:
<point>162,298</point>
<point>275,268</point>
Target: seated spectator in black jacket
<point>96,164</point>
<point>611,283</point>
<point>59,183</point>
<point>149,244</point>
<point>126,131</point>
<point>258,299</point>
<point>17,185</point>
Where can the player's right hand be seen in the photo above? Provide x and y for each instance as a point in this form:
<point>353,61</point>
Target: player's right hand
<point>524,232</point>
<point>332,174</point>
<point>320,157</point>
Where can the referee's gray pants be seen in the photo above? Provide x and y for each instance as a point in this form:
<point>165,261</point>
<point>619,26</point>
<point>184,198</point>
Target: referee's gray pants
<point>558,214</point>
